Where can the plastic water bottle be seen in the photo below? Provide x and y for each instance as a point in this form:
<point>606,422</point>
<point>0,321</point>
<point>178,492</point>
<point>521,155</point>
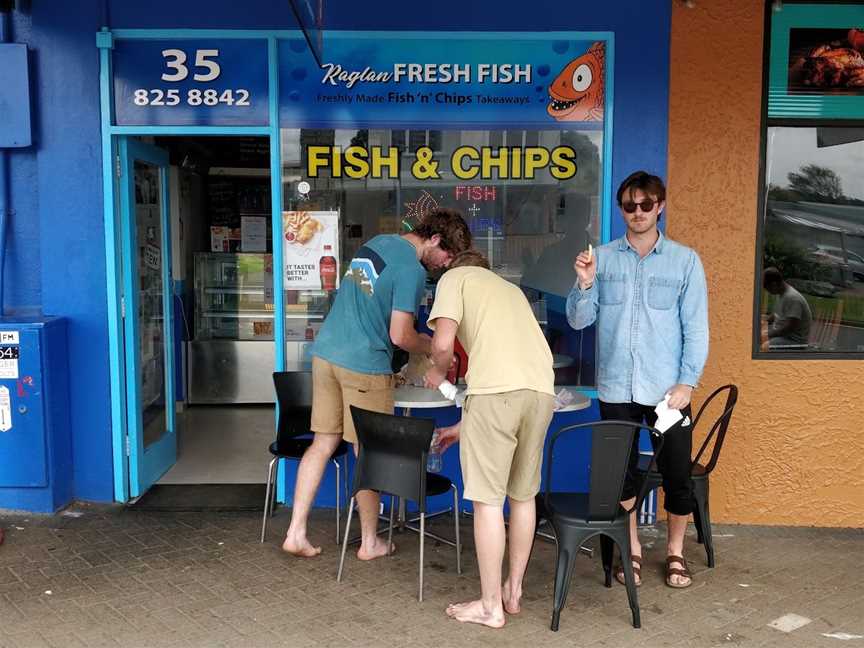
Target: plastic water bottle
<point>433,462</point>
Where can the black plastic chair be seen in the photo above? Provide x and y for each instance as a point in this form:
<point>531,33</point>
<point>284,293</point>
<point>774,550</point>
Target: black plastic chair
<point>392,459</point>
<point>698,472</point>
<point>576,517</point>
<point>294,396</point>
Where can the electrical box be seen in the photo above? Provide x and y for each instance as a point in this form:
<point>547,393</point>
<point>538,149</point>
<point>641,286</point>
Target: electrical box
<point>15,130</point>
<point>35,434</point>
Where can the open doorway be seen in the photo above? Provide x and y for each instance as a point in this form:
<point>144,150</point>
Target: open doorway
<point>221,266</point>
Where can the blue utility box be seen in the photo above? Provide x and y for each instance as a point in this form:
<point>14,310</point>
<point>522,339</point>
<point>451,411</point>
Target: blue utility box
<point>15,128</point>
<point>35,434</point>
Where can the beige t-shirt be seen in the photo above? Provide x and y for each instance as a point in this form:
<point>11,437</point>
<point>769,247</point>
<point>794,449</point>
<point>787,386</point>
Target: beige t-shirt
<point>506,348</point>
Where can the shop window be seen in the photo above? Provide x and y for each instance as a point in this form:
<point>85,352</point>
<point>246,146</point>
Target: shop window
<point>408,141</point>
<point>530,228</point>
<point>811,298</point>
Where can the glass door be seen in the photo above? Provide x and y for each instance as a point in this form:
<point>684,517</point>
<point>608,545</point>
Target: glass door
<point>147,313</point>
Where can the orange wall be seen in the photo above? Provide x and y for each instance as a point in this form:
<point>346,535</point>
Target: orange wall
<point>795,450</point>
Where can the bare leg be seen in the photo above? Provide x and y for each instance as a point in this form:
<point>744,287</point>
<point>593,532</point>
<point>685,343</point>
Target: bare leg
<point>371,546</point>
<point>309,475</point>
<point>675,544</point>
<point>489,538</point>
<point>368,503</point>
<point>523,518</point>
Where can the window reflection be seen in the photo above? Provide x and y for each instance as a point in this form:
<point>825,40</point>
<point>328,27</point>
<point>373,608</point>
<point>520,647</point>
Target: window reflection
<point>531,229</point>
<point>813,257</point>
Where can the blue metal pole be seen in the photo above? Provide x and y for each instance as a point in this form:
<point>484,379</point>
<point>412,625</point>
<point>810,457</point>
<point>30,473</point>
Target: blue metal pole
<point>5,179</point>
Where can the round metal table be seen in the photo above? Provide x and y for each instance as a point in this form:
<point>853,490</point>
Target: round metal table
<point>409,397</point>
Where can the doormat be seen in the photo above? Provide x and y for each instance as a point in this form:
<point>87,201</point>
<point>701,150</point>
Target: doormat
<point>202,497</point>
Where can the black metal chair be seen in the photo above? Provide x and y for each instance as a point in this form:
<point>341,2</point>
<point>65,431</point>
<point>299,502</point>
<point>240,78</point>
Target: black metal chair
<point>294,396</point>
<point>576,517</point>
<point>698,472</point>
<point>392,459</point>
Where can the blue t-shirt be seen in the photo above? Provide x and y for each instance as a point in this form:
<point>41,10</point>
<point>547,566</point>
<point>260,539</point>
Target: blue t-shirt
<point>384,276</point>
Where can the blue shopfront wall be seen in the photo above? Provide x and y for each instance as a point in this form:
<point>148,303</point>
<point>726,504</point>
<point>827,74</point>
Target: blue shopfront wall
<point>56,250</point>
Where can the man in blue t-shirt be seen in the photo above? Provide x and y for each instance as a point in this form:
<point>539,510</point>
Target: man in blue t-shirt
<point>374,311</point>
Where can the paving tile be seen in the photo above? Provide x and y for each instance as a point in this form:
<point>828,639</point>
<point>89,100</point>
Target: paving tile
<point>128,578</point>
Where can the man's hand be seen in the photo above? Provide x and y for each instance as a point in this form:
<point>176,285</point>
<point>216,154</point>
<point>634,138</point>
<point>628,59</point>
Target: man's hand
<point>447,436</point>
<point>585,268</point>
<point>679,396</point>
<point>434,377</point>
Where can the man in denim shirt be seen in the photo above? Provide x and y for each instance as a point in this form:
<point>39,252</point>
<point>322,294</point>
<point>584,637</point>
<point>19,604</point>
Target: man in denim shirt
<point>649,299</point>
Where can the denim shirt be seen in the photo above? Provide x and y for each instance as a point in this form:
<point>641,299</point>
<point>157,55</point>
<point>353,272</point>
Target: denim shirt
<point>652,319</point>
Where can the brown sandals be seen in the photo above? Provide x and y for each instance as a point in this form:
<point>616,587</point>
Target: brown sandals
<point>637,571</point>
<point>677,571</point>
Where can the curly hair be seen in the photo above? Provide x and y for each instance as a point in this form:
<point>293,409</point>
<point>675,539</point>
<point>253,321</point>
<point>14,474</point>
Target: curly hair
<point>449,225</point>
<point>471,257</point>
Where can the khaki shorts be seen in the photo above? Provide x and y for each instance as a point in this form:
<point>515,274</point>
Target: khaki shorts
<point>334,389</point>
<point>501,445</point>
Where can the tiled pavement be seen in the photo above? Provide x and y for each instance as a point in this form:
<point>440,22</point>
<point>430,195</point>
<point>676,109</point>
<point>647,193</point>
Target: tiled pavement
<point>114,577</point>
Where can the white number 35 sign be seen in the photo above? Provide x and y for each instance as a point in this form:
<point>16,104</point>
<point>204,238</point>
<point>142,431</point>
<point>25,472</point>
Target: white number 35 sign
<point>175,59</point>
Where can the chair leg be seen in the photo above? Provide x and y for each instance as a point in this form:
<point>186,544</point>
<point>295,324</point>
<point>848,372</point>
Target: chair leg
<point>623,542</point>
<point>422,545</point>
<point>456,528</point>
<point>390,526</point>
<point>345,540</point>
<point>697,522</point>
<point>697,517</point>
<point>568,549</point>
<point>338,512</point>
<point>267,497</point>
<point>607,549</point>
<point>700,493</point>
<point>345,481</point>
<point>275,488</point>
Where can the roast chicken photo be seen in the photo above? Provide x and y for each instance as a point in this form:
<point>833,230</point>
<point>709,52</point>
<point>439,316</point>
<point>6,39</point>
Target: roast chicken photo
<point>835,65</point>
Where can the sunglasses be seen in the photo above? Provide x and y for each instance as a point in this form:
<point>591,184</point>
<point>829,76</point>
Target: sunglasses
<point>646,206</point>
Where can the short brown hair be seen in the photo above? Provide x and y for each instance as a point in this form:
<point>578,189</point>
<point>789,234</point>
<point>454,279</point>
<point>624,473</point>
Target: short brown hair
<point>644,181</point>
<point>771,276</point>
<point>449,225</point>
<point>472,257</point>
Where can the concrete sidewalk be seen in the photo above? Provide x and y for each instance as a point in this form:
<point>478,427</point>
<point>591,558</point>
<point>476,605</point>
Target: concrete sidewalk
<point>114,577</point>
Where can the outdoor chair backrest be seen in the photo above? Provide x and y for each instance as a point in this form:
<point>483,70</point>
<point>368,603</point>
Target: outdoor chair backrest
<point>294,396</point>
<point>392,454</point>
<point>611,442</point>
<point>721,425</point>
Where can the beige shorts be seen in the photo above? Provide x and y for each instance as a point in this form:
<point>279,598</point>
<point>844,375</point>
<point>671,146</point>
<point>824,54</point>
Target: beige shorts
<point>334,389</point>
<point>501,445</point>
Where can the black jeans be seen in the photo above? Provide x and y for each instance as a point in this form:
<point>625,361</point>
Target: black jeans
<point>674,460</point>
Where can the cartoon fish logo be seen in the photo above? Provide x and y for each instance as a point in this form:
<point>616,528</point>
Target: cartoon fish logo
<point>577,93</point>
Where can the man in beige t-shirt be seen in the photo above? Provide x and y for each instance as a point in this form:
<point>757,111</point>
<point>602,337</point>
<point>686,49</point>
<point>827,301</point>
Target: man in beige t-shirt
<point>504,420</point>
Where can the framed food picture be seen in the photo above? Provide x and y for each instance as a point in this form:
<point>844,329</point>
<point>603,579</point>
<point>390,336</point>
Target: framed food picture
<point>816,68</point>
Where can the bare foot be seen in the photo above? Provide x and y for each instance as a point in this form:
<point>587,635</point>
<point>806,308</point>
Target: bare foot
<point>378,550</point>
<point>299,547</point>
<point>474,612</point>
<point>511,600</point>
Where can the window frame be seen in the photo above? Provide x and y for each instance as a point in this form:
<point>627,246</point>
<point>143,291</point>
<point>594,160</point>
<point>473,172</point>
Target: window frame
<point>766,123</point>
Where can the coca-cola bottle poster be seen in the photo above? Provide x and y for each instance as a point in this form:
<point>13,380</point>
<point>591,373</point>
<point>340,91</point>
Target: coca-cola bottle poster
<point>310,250</point>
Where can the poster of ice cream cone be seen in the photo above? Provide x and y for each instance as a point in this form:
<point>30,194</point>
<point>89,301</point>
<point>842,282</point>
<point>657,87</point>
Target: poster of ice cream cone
<point>310,250</point>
